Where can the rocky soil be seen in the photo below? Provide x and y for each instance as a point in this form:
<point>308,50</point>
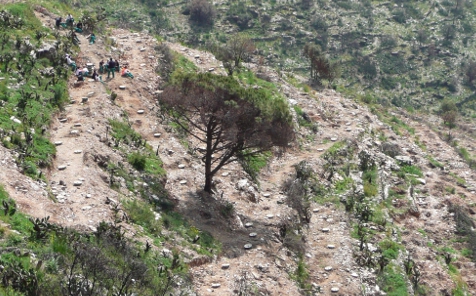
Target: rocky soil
<point>78,193</point>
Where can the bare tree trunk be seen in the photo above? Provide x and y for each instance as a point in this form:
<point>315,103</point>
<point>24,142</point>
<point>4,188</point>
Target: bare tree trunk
<point>208,160</point>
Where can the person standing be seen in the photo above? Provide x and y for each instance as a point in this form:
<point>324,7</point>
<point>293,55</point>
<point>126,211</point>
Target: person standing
<point>110,68</point>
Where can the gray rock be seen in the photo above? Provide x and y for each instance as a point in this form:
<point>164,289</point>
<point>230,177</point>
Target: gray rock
<point>248,246</point>
<point>404,160</point>
<point>242,184</point>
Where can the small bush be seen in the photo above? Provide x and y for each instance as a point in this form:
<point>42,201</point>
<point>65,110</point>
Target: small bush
<point>390,249</point>
<point>137,160</point>
<point>393,281</point>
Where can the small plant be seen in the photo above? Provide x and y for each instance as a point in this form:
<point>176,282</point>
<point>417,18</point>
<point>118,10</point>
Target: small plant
<point>137,160</point>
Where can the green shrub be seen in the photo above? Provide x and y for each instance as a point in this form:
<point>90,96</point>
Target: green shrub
<point>137,160</point>
<point>252,164</point>
<point>390,249</point>
<point>30,169</point>
<point>141,214</point>
<point>393,281</point>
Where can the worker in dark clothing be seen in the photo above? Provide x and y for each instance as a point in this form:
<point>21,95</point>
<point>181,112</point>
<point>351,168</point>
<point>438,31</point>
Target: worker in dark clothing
<point>58,22</point>
<point>111,66</point>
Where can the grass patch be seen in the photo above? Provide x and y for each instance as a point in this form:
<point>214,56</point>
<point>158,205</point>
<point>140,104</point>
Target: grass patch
<point>390,249</point>
<point>393,281</point>
<point>301,275</point>
<point>343,185</point>
<point>252,164</point>
<point>370,182</point>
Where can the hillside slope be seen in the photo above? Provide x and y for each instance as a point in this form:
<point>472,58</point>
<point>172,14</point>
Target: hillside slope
<point>389,201</point>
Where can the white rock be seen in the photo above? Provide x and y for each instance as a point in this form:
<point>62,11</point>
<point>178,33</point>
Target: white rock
<point>325,229</point>
<point>225,266</point>
<point>248,246</point>
<point>57,143</point>
<point>249,224</point>
<point>61,167</point>
<point>77,183</point>
<point>181,166</point>
<point>141,111</point>
<point>78,151</point>
<point>328,268</point>
<point>334,289</point>
<point>253,234</point>
<point>216,285</point>
<point>183,182</point>
<point>122,87</point>
<point>157,135</point>
<point>331,246</point>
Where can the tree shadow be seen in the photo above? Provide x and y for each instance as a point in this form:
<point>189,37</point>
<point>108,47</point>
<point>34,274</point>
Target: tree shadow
<point>212,214</point>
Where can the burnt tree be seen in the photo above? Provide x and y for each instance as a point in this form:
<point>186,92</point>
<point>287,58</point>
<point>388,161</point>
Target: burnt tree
<point>229,121</point>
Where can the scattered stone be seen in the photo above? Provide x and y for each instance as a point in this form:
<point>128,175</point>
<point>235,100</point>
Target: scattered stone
<point>331,246</point>
<point>248,225</point>
<point>211,69</point>
<point>88,195</point>
<point>84,100</point>
<point>57,143</point>
<point>253,234</point>
<point>86,208</point>
<point>61,167</point>
<point>225,174</point>
<point>405,160</point>
<point>266,195</point>
<point>122,87</point>
<point>354,275</point>
<point>78,151</point>
<point>141,111</point>
<point>183,182</point>
<point>422,181</point>
<point>216,285</point>
<point>308,255</point>
<point>334,289</point>
<point>333,139</point>
<point>225,266</point>
<point>325,229</point>
<point>270,216</point>
<point>90,94</point>
<point>74,132</point>
<point>181,166</point>
<point>320,149</point>
<point>157,135</point>
<point>77,124</point>
<point>248,246</point>
<point>77,183</point>
<point>63,119</point>
<point>328,268</point>
<point>315,210</point>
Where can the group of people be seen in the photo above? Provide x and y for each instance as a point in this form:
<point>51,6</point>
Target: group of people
<point>77,29</point>
<point>82,72</point>
<point>112,66</point>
